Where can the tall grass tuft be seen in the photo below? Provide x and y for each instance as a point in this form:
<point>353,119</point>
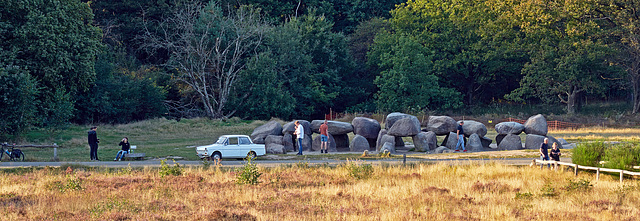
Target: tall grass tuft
<point>249,173</point>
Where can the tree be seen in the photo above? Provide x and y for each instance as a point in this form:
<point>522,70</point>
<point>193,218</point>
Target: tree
<point>56,43</point>
<point>567,56</point>
<point>406,82</point>
<point>18,103</point>
<point>207,49</point>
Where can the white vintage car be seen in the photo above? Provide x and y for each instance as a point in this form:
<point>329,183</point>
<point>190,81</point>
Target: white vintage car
<point>231,146</point>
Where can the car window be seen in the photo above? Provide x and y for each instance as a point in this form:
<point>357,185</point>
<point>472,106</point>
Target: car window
<point>233,141</point>
<point>221,140</point>
<point>244,140</point>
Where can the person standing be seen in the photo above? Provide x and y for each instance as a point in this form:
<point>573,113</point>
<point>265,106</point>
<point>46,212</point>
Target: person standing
<point>93,143</point>
<point>544,151</point>
<point>460,134</point>
<point>299,132</point>
<point>125,149</point>
<point>324,137</point>
<point>555,152</point>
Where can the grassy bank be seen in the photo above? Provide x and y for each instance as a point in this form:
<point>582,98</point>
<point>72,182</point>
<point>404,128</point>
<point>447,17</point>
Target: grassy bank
<point>414,192</point>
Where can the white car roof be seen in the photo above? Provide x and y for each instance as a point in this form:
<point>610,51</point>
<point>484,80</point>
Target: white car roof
<point>234,136</point>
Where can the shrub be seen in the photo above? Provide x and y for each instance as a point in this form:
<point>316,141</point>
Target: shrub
<point>548,190</point>
<point>363,171</point>
<point>523,196</point>
<point>249,174</point>
<point>579,185</point>
<point>165,169</point>
<point>588,154</point>
<point>621,156</point>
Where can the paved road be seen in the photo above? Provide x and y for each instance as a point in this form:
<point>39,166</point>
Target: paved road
<point>269,163</point>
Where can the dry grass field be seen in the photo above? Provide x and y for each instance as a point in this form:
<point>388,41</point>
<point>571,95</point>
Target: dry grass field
<point>353,191</point>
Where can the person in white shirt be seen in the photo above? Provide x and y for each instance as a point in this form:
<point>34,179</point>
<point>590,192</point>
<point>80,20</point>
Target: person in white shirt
<point>299,132</point>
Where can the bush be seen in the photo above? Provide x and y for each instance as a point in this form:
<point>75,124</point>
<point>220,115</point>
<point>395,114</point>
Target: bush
<point>165,169</point>
<point>359,172</point>
<point>622,156</point>
<point>579,185</point>
<point>249,174</point>
<point>588,154</point>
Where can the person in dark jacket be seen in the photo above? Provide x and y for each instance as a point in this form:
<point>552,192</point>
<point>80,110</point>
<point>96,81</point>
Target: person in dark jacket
<point>93,143</point>
<point>125,149</point>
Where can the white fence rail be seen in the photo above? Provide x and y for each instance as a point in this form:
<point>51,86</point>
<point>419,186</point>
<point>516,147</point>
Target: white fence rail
<point>577,167</point>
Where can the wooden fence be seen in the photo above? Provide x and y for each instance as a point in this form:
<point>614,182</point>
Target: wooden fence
<point>577,167</point>
<point>551,125</point>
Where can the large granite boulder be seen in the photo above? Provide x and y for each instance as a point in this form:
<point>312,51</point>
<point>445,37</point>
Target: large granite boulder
<point>534,141</point>
<point>366,127</point>
<point>275,149</point>
<point>473,127</point>
<point>486,142</point>
<point>536,125</point>
<point>425,141</point>
<point>379,143</point>
<point>388,147</point>
<point>562,141</point>
<point>509,128</point>
<point>510,142</point>
<point>359,144</point>
<point>331,144</point>
<point>405,127</point>
<point>554,140</point>
<point>441,125</point>
<point>342,141</point>
<point>290,127</point>
<point>452,140</point>
<point>395,116</point>
<point>499,138</point>
<point>306,143</point>
<point>287,142</point>
<point>387,139</point>
<point>333,127</point>
<point>261,132</point>
<point>273,144</point>
<point>273,139</point>
<point>475,143</point>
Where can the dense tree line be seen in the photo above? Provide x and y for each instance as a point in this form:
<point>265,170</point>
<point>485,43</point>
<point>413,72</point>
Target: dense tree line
<point>117,61</point>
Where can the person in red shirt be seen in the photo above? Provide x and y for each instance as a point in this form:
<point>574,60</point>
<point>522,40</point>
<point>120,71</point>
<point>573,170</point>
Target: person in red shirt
<point>324,137</point>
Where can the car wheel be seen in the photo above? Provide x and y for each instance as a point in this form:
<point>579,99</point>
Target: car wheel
<point>216,156</point>
<point>251,155</point>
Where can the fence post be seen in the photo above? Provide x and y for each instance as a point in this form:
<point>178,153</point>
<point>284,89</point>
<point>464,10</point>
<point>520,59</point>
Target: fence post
<point>404,159</point>
<point>55,154</point>
<point>598,174</point>
<point>575,170</point>
<point>621,175</point>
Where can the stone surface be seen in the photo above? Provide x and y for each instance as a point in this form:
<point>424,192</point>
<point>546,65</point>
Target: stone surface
<point>473,127</point>
<point>387,139</point>
<point>359,144</point>
<point>499,138</point>
<point>405,127</point>
<point>533,141</point>
<point>393,117</point>
<point>399,142</point>
<point>273,139</point>
<point>291,127</point>
<point>425,141</point>
<point>552,140</point>
<point>442,149</point>
<point>441,125</point>
<point>333,127</point>
<point>510,142</point>
<point>378,140</point>
<point>509,128</point>
<point>536,125</point>
<point>366,127</point>
<point>275,149</point>
<point>261,132</point>
<point>486,142</point>
<point>452,140</point>
<point>287,142</point>
<point>331,145</point>
<point>563,141</point>
<point>474,144</point>
<point>342,141</point>
<point>389,147</point>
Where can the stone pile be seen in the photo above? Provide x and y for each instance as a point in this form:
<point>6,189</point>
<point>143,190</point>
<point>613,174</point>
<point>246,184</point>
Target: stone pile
<point>535,127</point>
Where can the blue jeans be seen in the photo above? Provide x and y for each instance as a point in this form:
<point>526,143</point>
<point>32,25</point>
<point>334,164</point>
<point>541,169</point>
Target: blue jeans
<point>121,154</point>
<point>300,146</point>
<point>460,142</point>
<point>542,157</point>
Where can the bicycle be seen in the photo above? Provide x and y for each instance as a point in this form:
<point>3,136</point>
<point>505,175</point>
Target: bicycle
<point>13,153</point>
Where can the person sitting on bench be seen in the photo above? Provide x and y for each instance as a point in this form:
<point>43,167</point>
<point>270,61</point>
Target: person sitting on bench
<point>125,149</point>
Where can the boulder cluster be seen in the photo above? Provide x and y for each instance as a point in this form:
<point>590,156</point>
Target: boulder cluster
<point>368,134</point>
<point>536,129</point>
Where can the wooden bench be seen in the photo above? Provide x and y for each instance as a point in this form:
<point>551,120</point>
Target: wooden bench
<point>135,156</point>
